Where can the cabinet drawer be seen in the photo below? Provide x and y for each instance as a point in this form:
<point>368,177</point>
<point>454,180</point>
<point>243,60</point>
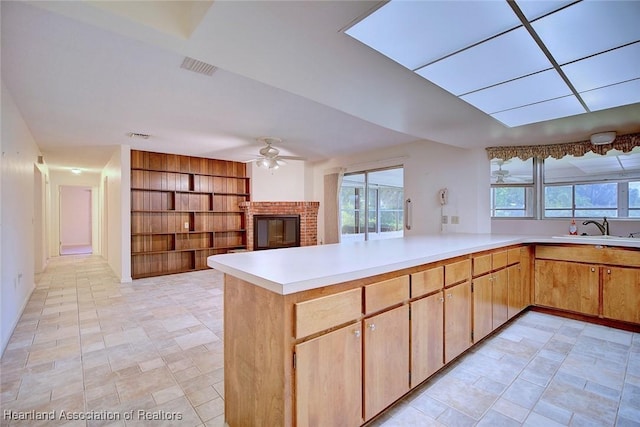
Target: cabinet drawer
<point>326,312</point>
<point>457,272</point>
<point>378,296</point>
<point>499,260</point>
<point>481,264</point>
<point>596,254</point>
<point>513,256</point>
<point>427,281</point>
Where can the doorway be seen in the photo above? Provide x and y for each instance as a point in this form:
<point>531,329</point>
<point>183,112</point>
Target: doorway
<point>75,220</point>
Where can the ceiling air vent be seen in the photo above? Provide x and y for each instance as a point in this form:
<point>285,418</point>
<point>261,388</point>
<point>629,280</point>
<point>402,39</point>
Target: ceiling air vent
<point>198,66</point>
<point>138,135</point>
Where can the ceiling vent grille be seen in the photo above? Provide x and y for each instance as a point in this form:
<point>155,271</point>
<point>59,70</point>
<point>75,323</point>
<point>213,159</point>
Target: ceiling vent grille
<point>198,66</point>
<point>138,135</point>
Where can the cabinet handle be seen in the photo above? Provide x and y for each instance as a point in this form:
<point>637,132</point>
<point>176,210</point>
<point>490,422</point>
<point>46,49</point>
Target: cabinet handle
<point>608,271</point>
<point>357,333</point>
<point>449,296</point>
<point>441,299</point>
<point>593,269</point>
<point>372,326</point>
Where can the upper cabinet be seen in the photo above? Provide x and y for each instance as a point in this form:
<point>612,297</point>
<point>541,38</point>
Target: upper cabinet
<point>184,209</point>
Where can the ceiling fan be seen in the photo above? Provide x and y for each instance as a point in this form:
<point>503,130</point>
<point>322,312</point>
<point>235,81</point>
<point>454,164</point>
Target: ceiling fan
<point>500,174</point>
<point>270,157</point>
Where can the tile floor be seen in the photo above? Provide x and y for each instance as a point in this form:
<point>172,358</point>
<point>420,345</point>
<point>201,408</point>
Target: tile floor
<point>90,346</point>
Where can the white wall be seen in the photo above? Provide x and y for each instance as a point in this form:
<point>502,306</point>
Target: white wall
<point>428,166</point>
<point>289,183</point>
<point>19,155</point>
<point>75,216</point>
<point>61,178</point>
<point>116,221</point>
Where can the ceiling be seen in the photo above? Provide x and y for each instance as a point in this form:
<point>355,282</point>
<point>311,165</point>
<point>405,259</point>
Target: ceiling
<point>86,74</point>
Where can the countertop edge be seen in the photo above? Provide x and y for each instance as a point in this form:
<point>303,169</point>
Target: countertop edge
<point>290,287</point>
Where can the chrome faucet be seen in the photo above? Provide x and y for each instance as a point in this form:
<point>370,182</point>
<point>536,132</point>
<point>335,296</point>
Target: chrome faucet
<point>604,227</point>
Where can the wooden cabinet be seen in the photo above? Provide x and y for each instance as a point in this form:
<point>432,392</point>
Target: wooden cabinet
<point>457,323</point>
<point>568,286</point>
<point>593,280</point>
<point>482,307</point>
<point>184,209</point>
<point>496,276</point>
<point>621,294</point>
<point>386,359</point>
<point>427,337</point>
<point>329,379</point>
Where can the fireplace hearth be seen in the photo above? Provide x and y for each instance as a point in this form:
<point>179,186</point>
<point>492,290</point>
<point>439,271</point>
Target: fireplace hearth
<point>276,231</point>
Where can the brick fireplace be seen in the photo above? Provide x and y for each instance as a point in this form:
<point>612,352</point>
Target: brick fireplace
<point>308,212</point>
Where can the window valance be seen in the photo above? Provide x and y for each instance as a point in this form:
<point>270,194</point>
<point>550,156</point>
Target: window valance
<point>624,143</point>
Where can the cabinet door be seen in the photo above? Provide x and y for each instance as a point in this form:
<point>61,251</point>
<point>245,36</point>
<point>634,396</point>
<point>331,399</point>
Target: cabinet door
<point>386,359</point>
<point>516,292</point>
<point>621,294</point>
<point>500,297</point>
<point>457,320</point>
<point>482,302</point>
<point>567,285</point>
<point>427,337</point>
<point>328,378</point>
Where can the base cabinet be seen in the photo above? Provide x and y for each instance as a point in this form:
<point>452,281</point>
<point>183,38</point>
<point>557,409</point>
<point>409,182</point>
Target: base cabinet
<point>621,293</point>
<point>568,286</point>
<point>457,320</point>
<point>427,337</point>
<point>386,360</point>
<point>329,379</point>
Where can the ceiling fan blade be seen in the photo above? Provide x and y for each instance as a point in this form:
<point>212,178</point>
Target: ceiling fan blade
<point>292,158</point>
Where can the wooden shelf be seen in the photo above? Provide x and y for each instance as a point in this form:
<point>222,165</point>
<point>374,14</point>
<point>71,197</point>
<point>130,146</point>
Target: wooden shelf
<point>183,210</point>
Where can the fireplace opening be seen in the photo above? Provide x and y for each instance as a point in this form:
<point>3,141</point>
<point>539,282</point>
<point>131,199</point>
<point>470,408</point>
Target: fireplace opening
<point>276,231</point>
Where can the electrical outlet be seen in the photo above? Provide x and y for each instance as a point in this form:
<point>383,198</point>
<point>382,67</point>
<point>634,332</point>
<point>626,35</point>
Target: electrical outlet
<point>455,219</point>
<point>445,219</point>
<point>186,225</point>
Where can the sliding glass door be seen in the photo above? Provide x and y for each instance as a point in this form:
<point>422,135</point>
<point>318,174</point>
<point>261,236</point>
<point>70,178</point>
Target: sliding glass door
<point>371,205</point>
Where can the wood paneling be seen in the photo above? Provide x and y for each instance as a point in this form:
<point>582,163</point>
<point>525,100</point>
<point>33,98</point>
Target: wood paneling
<point>174,209</point>
<point>482,307</point>
<point>457,320</point>
<point>621,294</point>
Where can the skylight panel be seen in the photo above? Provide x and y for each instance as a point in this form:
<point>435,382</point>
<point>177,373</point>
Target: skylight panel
<point>548,110</point>
<point>588,28</point>
<point>608,68</point>
<point>517,93</point>
<point>612,96</point>
<point>512,55</point>
<point>534,9</point>
<point>415,33</point>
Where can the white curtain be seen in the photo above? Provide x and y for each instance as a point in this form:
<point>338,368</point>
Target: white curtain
<point>332,184</point>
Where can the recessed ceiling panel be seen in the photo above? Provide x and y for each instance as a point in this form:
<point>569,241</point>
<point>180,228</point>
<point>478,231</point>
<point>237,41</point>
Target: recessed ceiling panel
<point>589,27</point>
<point>415,33</point>
<point>608,68</point>
<point>535,9</point>
<point>612,96</point>
<point>517,93</point>
<point>503,58</point>
<point>548,110</point>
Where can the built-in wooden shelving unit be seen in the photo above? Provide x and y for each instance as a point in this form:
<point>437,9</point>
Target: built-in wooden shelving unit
<point>184,209</point>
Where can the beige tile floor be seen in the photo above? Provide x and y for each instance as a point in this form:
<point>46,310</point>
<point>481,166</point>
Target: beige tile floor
<point>92,347</point>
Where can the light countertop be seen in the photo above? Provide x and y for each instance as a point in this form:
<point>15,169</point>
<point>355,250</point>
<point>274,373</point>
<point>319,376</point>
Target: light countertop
<point>290,270</point>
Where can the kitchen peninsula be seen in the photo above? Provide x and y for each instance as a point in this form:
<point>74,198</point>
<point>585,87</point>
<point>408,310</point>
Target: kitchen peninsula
<point>321,335</point>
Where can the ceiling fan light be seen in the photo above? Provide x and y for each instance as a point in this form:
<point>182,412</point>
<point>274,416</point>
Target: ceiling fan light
<point>261,163</point>
<point>603,138</point>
